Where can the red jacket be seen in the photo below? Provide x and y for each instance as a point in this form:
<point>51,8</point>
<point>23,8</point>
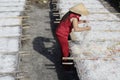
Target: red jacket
<point>65,26</point>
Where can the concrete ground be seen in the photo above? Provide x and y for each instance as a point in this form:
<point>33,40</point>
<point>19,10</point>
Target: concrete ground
<point>44,59</point>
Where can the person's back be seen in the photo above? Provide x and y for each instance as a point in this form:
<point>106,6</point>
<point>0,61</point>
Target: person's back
<point>65,26</point>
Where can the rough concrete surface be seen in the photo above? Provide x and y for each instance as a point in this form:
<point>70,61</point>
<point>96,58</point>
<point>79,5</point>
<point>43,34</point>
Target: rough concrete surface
<point>43,61</point>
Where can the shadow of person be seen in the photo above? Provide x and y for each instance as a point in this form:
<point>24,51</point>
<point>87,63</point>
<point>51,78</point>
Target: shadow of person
<point>49,49</point>
<point>46,47</point>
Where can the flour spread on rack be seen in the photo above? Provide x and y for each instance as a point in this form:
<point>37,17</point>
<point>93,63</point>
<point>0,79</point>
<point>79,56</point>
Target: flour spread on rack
<point>96,52</point>
<point>10,32</point>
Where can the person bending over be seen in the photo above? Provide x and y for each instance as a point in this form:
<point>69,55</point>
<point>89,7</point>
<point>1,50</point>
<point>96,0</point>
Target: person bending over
<point>70,21</point>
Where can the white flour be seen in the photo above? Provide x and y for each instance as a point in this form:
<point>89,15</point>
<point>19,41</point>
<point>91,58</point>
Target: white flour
<point>7,77</point>
<point>102,43</point>
<point>10,33</point>
<point>8,63</point>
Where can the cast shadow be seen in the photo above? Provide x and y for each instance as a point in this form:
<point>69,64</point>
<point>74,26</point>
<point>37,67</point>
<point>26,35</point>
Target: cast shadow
<point>54,55</point>
<point>114,6</point>
<point>49,52</point>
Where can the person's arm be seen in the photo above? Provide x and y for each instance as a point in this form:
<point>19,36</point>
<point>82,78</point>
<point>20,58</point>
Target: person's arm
<point>75,26</point>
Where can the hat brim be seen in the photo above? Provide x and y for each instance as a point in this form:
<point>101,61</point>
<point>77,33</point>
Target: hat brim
<point>79,9</point>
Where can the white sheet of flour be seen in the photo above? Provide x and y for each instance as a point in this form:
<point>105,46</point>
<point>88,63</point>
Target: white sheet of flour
<point>10,21</point>
<point>10,33</point>
<point>8,63</point>
<point>7,77</point>
<point>102,42</point>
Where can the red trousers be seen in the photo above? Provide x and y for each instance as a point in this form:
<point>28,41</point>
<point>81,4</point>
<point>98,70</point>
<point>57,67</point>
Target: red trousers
<point>63,41</point>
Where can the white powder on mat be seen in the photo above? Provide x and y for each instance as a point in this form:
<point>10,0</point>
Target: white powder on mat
<point>7,63</point>
<point>9,14</point>
<point>11,9</point>
<point>10,35</point>
<point>99,70</point>
<point>9,31</point>
<point>11,0</point>
<point>6,77</point>
<point>102,42</point>
<point>12,4</point>
<point>10,21</point>
<point>7,43</point>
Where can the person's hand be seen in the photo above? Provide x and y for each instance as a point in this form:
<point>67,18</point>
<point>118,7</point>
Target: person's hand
<point>85,21</point>
<point>88,28</point>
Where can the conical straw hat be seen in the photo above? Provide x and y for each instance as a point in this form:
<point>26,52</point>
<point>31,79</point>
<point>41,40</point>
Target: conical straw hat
<point>79,9</point>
